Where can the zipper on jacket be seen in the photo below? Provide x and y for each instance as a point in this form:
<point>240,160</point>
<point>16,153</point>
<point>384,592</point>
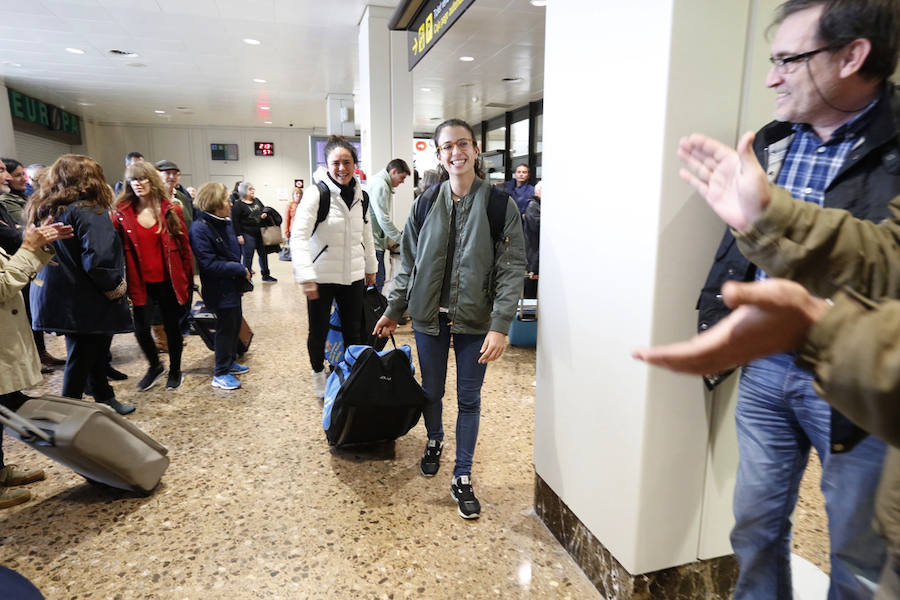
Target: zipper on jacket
<point>506,243</point>
<point>320,253</point>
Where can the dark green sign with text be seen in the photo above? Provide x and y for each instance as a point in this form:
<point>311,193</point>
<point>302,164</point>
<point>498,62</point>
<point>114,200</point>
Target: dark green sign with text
<point>34,116</point>
<point>432,21</point>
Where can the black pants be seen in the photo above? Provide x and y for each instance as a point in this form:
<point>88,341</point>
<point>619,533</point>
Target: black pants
<point>13,402</point>
<point>350,305</point>
<point>86,361</point>
<point>228,326</point>
<point>172,312</point>
<point>38,335</point>
<point>531,288</point>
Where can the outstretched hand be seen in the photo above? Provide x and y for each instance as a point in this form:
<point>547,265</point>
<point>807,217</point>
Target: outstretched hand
<point>733,182</point>
<point>46,232</point>
<point>770,316</point>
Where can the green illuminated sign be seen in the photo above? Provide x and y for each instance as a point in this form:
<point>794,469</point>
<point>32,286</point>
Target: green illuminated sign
<point>38,117</point>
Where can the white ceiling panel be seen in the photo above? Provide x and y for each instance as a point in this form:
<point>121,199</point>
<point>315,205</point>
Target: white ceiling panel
<point>191,54</point>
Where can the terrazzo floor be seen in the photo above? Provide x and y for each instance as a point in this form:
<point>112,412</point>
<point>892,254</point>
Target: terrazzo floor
<point>256,505</point>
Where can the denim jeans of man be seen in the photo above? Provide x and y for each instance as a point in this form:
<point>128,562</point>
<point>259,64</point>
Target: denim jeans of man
<point>779,417</point>
<point>379,274</point>
<point>433,351</point>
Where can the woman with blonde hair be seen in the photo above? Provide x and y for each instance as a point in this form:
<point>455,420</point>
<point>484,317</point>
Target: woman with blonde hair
<point>222,276</point>
<point>159,264</point>
<point>81,293</point>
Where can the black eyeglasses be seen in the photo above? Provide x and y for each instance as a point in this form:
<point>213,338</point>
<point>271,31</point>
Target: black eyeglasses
<point>788,64</point>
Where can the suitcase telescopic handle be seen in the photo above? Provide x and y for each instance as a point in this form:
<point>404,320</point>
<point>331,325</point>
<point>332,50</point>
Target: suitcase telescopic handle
<point>23,426</point>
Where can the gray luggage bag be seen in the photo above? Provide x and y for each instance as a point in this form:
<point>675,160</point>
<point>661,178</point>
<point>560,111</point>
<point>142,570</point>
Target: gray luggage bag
<point>91,439</point>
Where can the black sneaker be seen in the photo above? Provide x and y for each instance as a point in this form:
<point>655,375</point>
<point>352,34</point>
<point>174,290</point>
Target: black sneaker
<point>431,461</point>
<point>150,379</point>
<point>268,279</point>
<point>175,379</point>
<point>461,490</point>
<point>122,409</point>
<point>114,374</point>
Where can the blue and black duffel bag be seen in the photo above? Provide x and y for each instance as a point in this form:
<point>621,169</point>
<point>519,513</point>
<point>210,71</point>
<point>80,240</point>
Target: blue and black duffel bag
<point>371,396</point>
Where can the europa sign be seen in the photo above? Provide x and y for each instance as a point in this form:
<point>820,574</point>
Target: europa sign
<point>432,21</point>
<point>34,116</point>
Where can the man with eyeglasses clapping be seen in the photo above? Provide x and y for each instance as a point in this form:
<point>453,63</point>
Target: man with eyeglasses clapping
<point>834,142</point>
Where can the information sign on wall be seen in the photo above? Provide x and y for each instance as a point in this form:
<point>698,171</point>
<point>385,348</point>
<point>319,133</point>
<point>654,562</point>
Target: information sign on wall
<point>433,20</point>
<point>34,116</point>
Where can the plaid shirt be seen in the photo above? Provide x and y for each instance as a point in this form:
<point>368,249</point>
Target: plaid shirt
<point>811,165</point>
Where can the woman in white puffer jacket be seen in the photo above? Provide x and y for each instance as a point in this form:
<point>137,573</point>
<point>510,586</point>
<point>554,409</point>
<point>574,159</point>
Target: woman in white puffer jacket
<point>333,260</point>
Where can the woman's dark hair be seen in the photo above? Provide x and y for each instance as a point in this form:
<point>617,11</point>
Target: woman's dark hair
<point>11,164</point>
<point>479,170</point>
<point>158,191</point>
<point>843,21</point>
<point>72,178</point>
<point>337,141</point>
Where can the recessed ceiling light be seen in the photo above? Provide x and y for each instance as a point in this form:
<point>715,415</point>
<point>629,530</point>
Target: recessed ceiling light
<point>160,112</point>
<point>258,80</point>
<point>263,108</point>
<point>125,53</point>
<point>86,104</point>
<point>75,50</point>
<point>267,122</point>
<point>467,58</point>
<point>136,65</point>
<point>425,89</point>
<point>466,84</point>
<point>539,2</point>
<point>252,42</point>
<point>474,98</point>
<point>16,65</point>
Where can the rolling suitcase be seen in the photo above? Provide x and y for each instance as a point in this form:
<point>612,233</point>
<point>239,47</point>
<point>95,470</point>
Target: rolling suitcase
<point>523,329</point>
<point>203,321</point>
<point>91,439</point>
<point>371,397</point>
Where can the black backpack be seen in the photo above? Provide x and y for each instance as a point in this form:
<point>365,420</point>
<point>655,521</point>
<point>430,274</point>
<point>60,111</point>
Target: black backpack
<point>325,205</point>
<point>496,209</point>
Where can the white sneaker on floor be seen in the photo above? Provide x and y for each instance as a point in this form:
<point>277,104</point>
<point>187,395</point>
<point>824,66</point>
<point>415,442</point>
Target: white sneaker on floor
<point>319,381</point>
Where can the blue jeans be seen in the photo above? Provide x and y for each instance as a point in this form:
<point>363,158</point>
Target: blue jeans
<point>379,274</point>
<point>253,243</point>
<point>779,416</point>
<point>433,351</point>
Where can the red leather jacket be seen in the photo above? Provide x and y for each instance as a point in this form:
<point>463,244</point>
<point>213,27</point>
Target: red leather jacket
<point>178,260</point>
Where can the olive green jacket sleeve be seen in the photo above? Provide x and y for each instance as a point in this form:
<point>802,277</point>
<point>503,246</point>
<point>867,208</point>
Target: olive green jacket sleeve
<point>824,249</point>
<point>854,349</point>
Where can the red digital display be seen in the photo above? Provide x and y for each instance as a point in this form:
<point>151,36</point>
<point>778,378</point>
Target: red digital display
<point>264,148</point>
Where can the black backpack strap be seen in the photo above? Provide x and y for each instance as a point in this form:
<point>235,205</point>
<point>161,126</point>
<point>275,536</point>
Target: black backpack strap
<point>423,206</point>
<point>496,212</point>
<point>365,206</point>
<point>324,204</point>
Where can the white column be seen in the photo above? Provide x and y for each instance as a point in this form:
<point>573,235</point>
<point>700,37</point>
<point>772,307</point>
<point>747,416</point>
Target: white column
<point>7,135</point>
<point>625,248</point>
<point>385,103</point>
<point>375,113</point>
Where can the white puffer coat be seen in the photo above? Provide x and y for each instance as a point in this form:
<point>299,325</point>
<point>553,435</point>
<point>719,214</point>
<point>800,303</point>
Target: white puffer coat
<point>342,249</point>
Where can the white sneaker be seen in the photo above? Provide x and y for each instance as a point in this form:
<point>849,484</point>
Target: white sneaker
<point>319,381</point>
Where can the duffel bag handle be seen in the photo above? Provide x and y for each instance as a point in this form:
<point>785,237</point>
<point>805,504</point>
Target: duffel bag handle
<point>22,426</point>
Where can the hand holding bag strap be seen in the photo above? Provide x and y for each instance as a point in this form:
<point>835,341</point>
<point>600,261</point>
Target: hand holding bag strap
<point>22,426</point>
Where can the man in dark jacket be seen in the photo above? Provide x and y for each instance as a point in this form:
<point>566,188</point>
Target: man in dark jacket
<point>834,143</point>
<point>533,243</point>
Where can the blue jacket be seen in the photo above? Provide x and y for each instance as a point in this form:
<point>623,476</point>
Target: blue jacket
<point>82,290</point>
<point>521,194</point>
<point>218,258</point>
